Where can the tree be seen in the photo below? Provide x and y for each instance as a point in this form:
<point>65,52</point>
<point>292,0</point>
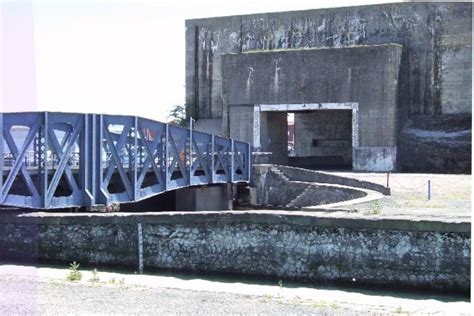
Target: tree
<point>180,114</point>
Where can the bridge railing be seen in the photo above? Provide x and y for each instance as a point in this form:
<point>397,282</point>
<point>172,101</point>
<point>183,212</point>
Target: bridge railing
<point>54,160</point>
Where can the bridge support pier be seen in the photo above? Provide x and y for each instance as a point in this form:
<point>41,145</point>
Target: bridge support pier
<point>209,198</point>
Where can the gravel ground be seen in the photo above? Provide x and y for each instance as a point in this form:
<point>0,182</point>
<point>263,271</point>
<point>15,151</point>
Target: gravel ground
<point>450,195</point>
<point>27,296</point>
<point>45,291</point>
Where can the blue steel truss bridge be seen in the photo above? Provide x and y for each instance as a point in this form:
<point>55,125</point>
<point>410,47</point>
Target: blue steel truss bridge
<point>58,160</point>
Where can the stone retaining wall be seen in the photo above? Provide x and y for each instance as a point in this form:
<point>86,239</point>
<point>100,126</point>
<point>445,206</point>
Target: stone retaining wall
<point>279,245</point>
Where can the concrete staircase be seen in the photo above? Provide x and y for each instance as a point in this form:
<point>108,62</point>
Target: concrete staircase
<point>290,187</point>
<point>280,173</point>
<point>296,201</point>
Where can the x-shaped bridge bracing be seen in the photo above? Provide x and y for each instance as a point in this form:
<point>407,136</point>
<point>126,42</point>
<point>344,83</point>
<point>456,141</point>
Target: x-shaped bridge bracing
<point>55,160</point>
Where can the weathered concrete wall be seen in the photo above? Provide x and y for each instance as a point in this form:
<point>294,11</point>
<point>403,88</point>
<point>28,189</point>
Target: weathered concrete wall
<point>367,75</point>
<point>454,67</point>
<point>369,158</point>
<point>204,46</point>
<point>211,126</point>
<point>436,62</point>
<point>209,198</point>
<point>241,124</point>
<point>324,134</point>
<point>436,143</point>
<point>274,135</point>
<point>435,76</point>
<point>399,253</point>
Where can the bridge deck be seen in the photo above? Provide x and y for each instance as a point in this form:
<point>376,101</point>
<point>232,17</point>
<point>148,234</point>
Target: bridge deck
<point>55,160</point>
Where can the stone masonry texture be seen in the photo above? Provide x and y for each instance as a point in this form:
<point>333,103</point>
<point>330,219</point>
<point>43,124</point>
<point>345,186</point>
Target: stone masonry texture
<point>383,252</point>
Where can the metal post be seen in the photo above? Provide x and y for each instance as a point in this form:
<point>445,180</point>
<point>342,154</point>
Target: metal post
<point>35,151</point>
<point>96,173</point>
<point>249,161</point>
<point>232,160</point>
<point>102,195</point>
<point>388,179</point>
<point>212,158</point>
<point>84,162</point>
<point>190,150</point>
<point>429,190</point>
<point>44,162</point>
<point>135,159</point>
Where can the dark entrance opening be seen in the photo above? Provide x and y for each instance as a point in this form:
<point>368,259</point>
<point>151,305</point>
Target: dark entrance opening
<point>322,139</point>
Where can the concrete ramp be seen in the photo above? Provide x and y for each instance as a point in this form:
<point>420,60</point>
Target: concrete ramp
<point>301,188</point>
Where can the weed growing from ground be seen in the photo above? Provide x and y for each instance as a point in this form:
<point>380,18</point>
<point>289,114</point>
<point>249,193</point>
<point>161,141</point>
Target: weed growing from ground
<point>95,276</point>
<point>122,282</point>
<point>74,273</point>
<point>376,208</point>
<point>400,310</point>
<point>325,305</point>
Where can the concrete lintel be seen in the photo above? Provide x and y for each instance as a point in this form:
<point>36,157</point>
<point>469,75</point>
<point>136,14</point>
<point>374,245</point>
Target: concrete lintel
<point>308,106</point>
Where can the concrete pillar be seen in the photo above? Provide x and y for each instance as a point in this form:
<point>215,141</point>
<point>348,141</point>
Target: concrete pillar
<point>209,198</point>
<point>274,136</point>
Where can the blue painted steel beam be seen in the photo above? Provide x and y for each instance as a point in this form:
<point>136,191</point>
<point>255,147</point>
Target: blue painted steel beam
<point>55,160</point>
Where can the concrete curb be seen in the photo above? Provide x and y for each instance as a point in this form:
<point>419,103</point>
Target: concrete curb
<point>298,218</point>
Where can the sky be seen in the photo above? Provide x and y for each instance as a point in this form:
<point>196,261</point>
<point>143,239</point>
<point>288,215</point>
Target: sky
<point>107,56</point>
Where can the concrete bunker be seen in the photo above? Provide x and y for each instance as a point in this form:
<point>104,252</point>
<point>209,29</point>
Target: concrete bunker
<point>344,100</point>
<point>405,101</point>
